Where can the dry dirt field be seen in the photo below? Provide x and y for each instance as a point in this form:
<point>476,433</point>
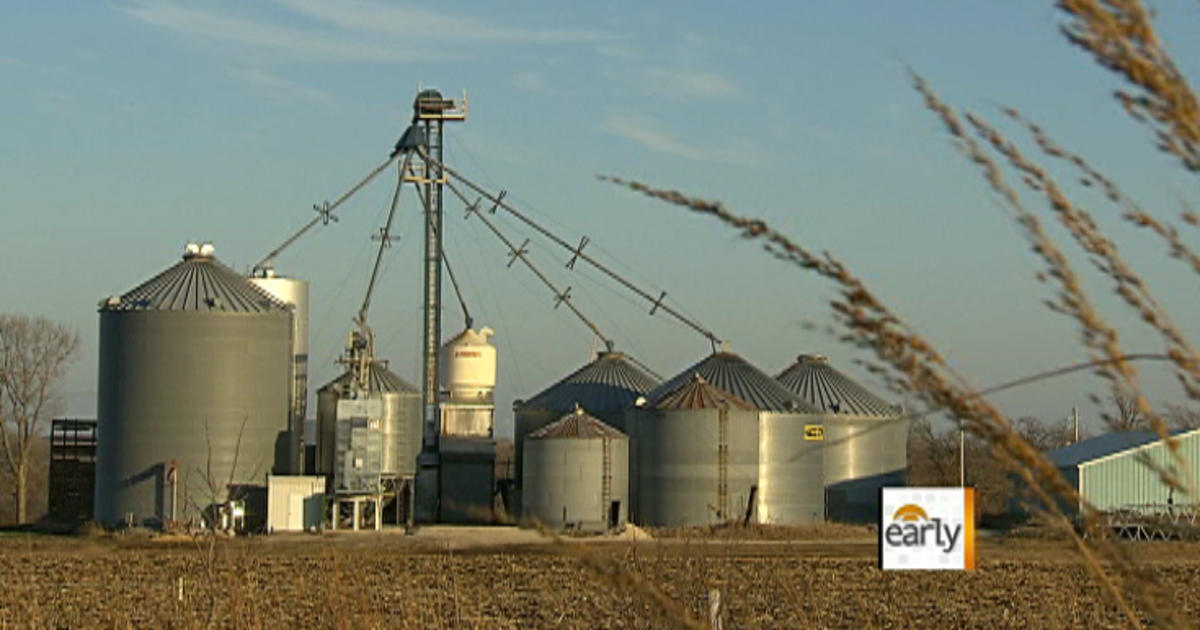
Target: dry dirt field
<point>470,579</point>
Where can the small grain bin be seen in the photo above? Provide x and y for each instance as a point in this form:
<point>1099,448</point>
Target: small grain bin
<point>605,387</point>
<point>576,474</point>
<point>866,439</point>
<point>399,426</point>
<point>468,384</point>
<point>786,455</point>
<point>697,449</point>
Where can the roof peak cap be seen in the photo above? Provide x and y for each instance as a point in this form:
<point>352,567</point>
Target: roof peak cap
<point>205,250</point>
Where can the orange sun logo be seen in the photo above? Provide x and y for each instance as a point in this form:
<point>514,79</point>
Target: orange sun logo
<point>910,512</point>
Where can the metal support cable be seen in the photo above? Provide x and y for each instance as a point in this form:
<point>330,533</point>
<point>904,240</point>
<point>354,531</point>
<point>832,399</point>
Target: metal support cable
<point>520,253</point>
<point>324,214</point>
<point>657,303</point>
<point>385,240</point>
<point>462,302</point>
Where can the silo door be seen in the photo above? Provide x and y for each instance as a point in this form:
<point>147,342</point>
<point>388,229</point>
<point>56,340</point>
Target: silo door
<point>614,514</point>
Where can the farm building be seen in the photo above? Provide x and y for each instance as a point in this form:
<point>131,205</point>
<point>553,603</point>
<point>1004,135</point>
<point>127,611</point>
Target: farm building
<point>1120,471</point>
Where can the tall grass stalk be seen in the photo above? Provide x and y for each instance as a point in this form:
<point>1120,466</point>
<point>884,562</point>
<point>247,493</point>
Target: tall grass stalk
<point>918,366</point>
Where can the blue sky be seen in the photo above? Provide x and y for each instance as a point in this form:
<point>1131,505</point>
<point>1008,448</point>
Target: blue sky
<point>131,128</point>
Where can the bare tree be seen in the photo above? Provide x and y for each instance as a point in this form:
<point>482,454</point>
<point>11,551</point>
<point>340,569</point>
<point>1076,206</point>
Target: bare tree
<point>34,354</point>
<point>1125,415</point>
<point>932,455</point>
<point>1183,417</point>
<point>1046,435</point>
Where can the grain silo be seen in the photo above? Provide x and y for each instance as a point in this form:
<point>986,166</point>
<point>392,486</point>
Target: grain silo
<point>788,455</point>
<point>605,387</point>
<point>193,395</point>
<point>294,293</point>
<point>697,455</point>
<point>399,420</point>
<point>866,439</point>
<point>576,474</point>
<point>468,384</point>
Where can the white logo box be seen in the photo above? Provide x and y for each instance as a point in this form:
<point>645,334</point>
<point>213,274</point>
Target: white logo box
<point>927,528</point>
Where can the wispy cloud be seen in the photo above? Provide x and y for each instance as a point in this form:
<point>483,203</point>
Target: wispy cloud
<point>276,40</point>
<point>620,51</point>
<point>682,83</point>
<point>353,31</point>
<point>13,62</point>
<point>274,85</point>
<point>529,81</point>
<point>719,45</point>
<point>653,137</point>
<point>347,31</point>
<point>423,24</point>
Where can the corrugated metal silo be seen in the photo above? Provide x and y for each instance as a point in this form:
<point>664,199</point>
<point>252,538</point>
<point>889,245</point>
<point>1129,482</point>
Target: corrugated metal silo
<point>193,394</point>
<point>576,474</point>
<point>789,462</point>
<point>606,387</point>
<point>866,439</point>
<point>697,450</point>
<point>400,421</point>
<point>294,292</point>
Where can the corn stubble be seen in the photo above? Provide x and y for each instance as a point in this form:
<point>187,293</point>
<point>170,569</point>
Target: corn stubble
<point>342,584</point>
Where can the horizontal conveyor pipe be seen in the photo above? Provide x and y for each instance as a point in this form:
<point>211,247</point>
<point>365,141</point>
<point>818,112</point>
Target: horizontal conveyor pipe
<point>560,297</point>
<point>324,213</point>
<point>657,303</point>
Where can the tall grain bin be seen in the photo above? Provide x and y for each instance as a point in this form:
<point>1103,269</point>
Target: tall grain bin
<point>605,387</point>
<point>193,394</point>
<point>294,293</point>
<point>789,486</point>
<point>697,455</point>
<point>866,439</point>
<point>399,412</point>
<point>576,474</point>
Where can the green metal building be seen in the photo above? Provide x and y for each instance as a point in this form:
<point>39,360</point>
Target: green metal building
<point>1120,471</point>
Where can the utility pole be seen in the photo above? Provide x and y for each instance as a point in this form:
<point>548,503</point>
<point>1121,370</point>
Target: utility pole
<point>1075,415</point>
<point>962,452</point>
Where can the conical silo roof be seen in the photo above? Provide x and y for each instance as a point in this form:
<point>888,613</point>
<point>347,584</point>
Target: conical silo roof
<point>380,380</point>
<point>611,382</point>
<point>197,283</point>
<point>734,375</point>
<point>698,393</point>
<point>577,424</point>
<point>812,378</point>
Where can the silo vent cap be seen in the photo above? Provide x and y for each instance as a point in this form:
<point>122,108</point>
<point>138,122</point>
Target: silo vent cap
<point>198,250</point>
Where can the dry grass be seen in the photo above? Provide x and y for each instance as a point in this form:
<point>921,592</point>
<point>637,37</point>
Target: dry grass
<point>1120,36</point>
